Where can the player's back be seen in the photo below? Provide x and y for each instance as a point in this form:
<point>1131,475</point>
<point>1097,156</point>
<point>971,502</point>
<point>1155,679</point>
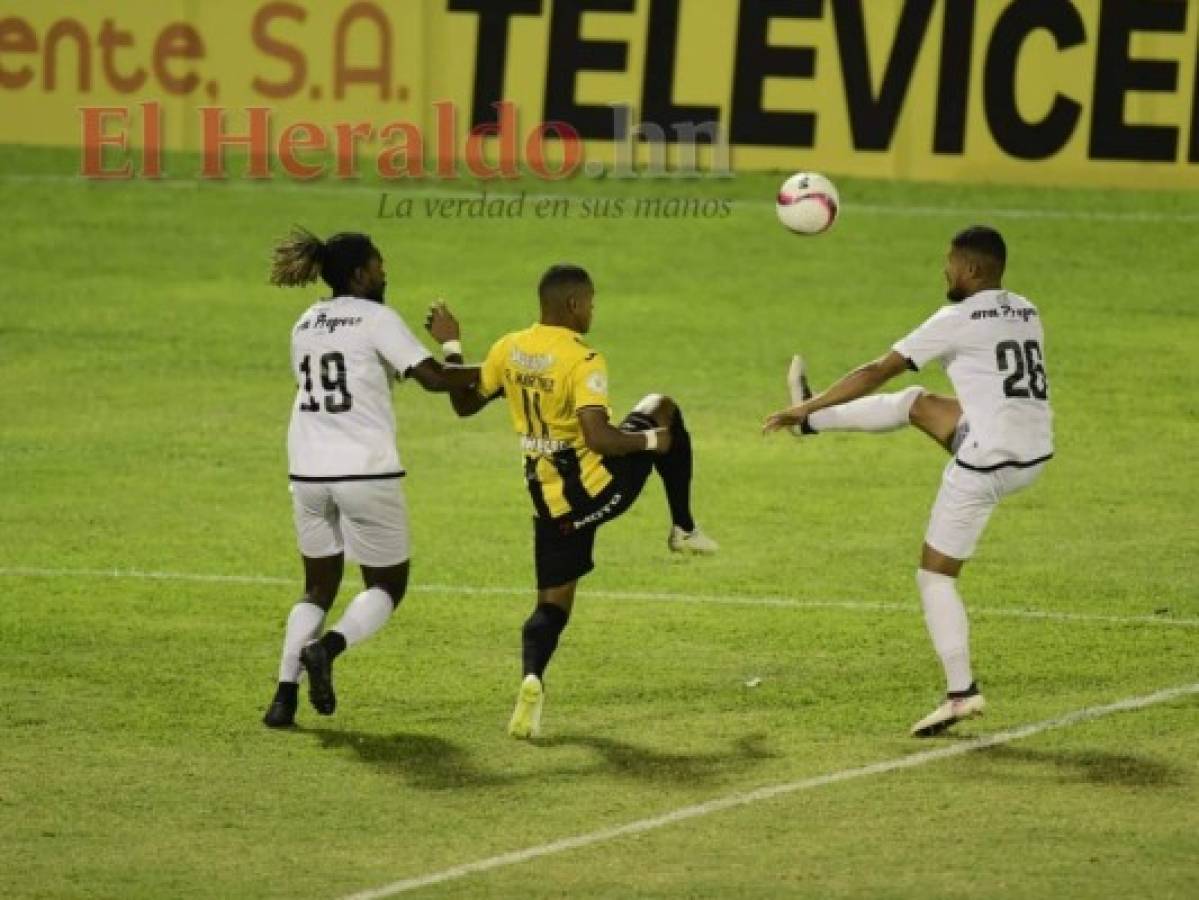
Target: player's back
<point>997,366</point>
<point>345,354</point>
<point>547,374</point>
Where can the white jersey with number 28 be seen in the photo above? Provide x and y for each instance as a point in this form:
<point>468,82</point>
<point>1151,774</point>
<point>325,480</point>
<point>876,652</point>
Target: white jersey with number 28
<point>993,348</point>
<point>345,355</point>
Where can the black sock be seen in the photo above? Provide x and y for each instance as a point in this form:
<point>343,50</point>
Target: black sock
<point>287,692</point>
<point>674,468</point>
<point>334,643</point>
<point>962,695</point>
<point>540,637</point>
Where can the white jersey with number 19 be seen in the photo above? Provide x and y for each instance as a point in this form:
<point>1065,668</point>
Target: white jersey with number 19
<point>345,354</point>
<point>992,347</point>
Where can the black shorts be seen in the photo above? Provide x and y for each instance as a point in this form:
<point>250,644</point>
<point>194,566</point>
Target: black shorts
<point>562,547</point>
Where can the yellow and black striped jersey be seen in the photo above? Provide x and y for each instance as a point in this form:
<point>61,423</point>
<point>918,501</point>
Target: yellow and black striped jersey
<point>547,374</point>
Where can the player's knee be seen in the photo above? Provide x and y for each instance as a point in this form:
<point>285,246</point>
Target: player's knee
<point>661,408</point>
<point>320,596</point>
<point>913,401</point>
<point>393,581</point>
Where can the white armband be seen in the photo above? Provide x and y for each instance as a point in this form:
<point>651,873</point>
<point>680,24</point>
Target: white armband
<point>651,439</point>
<point>452,348</point>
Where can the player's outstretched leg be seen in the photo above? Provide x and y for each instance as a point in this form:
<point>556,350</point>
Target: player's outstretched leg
<point>877,413</point>
<point>539,640</point>
<point>675,468</point>
<point>322,578</point>
<point>366,614</point>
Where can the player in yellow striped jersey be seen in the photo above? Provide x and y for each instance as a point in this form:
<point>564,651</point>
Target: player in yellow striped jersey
<point>581,470</point>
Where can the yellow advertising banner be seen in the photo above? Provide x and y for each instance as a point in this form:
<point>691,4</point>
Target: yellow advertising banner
<point>1049,92</point>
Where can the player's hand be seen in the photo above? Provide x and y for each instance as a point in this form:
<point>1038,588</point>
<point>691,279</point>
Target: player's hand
<point>441,324</point>
<point>783,419</point>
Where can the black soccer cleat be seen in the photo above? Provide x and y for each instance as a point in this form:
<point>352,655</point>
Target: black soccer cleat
<point>280,714</point>
<point>318,665</point>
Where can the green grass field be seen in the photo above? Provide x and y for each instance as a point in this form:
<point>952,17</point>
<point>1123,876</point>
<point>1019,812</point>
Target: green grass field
<point>146,395</point>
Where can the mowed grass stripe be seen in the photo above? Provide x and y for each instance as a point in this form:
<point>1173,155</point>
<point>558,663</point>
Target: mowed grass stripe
<point>768,792</point>
<point>643,596</point>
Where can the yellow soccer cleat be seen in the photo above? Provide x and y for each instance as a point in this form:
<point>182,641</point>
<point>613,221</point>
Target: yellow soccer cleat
<point>526,718</point>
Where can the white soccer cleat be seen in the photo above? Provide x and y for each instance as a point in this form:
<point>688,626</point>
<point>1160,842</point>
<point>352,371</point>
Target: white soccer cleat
<point>797,381</point>
<point>949,713</point>
<point>797,386</point>
<point>526,718</point>
<point>690,542</point>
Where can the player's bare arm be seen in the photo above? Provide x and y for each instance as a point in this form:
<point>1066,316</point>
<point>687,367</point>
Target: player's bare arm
<point>605,439</point>
<point>443,327</point>
<point>865,379</point>
<point>443,379</point>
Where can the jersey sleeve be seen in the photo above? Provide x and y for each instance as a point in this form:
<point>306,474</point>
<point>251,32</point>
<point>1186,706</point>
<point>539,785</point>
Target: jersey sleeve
<point>936,339</point>
<point>396,343</point>
<point>491,373</point>
<point>589,382</point>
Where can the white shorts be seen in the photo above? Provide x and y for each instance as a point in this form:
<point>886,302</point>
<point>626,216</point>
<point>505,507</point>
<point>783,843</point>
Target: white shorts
<point>366,520</point>
<point>965,502</point>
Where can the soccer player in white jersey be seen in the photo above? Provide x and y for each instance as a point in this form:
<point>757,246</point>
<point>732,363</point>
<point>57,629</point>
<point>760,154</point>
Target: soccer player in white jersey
<point>998,429</point>
<point>346,352</point>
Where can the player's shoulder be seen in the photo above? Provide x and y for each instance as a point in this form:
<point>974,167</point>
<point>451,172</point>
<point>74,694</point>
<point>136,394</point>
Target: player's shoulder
<point>946,315</point>
<point>573,352</point>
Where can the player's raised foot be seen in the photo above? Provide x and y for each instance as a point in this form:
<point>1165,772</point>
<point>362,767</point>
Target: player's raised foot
<point>280,714</point>
<point>526,718</point>
<point>949,713</point>
<point>797,381</point>
<point>694,541</point>
<point>316,662</point>
<point>798,388</point>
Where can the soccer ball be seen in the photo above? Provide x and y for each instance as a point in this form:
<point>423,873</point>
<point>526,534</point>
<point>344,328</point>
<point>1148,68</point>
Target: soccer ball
<point>808,203</point>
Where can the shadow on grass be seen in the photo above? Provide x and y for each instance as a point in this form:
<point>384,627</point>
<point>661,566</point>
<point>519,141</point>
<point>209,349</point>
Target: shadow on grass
<point>425,761</point>
<point>629,760</point>
<point>430,763</point>
<point>1093,766</point>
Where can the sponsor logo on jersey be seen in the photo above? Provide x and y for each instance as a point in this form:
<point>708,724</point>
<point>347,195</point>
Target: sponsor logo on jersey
<point>599,515</point>
<point>1024,314</point>
<point>329,323</point>
<point>547,446</point>
<point>532,362</point>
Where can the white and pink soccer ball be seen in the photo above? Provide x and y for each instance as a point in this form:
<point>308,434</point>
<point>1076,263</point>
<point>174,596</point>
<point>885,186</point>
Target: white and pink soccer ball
<point>808,203</point>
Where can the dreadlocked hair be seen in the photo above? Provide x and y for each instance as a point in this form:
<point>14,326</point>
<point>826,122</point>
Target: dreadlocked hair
<point>298,259</point>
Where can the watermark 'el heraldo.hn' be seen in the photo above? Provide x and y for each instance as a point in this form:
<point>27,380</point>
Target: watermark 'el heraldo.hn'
<point>308,150</point>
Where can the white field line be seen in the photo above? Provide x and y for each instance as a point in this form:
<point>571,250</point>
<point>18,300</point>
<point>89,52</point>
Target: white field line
<point>733,801</point>
<point>404,188</point>
<point>647,596</point>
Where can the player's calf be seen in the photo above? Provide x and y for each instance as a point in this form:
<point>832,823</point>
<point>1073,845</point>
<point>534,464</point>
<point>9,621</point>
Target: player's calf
<point>675,467</point>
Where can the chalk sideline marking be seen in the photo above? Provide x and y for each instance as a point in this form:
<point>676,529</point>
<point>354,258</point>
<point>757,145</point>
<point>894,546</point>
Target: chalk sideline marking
<point>732,801</point>
<point>647,596</point>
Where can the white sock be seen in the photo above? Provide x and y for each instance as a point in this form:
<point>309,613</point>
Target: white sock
<point>303,625</point>
<point>878,413</point>
<point>366,614</point>
<point>945,616</point>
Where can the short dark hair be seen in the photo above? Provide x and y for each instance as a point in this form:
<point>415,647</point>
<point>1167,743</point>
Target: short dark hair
<point>984,241</point>
<point>301,257</point>
<point>559,279</point>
